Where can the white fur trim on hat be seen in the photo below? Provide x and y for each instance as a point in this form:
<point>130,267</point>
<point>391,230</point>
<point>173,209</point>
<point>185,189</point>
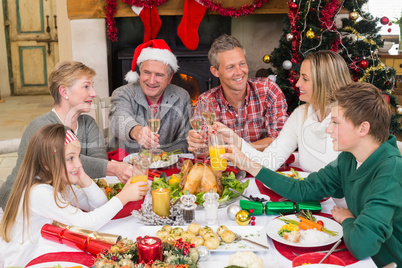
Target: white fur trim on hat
<point>131,77</point>
<point>162,55</point>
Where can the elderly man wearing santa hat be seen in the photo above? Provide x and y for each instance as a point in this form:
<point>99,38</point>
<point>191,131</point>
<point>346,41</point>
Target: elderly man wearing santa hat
<point>129,104</point>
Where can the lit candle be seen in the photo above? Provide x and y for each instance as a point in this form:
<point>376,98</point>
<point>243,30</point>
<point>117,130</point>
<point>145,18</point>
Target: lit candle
<point>161,201</point>
<point>149,249</point>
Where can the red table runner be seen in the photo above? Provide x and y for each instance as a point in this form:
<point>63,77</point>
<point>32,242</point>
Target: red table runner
<point>75,257</point>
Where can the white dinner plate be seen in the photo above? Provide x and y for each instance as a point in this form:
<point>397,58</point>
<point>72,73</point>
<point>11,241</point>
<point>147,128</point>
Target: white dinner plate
<point>275,225</point>
<point>255,233</point>
<point>63,264</point>
<point>322,265</point>
<point>301,175</point>
<point>158,164</point>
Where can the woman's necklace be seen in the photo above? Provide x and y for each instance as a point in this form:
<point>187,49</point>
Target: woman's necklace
<point>54,110</point>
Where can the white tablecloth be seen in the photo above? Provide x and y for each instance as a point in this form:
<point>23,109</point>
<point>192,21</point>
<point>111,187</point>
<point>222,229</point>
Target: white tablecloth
<point>128,227</point>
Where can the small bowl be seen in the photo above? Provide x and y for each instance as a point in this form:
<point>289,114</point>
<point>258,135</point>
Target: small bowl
<point>315,258</point>
<point>387,46</point>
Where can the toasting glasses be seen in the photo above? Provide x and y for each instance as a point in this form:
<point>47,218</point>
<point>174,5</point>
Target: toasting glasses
<point>154,123</point>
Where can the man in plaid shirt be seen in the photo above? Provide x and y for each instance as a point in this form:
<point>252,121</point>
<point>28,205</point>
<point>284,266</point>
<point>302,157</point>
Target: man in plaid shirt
<point>255,109</point>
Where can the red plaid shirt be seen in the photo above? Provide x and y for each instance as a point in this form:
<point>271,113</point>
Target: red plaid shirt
<point>262,113</point>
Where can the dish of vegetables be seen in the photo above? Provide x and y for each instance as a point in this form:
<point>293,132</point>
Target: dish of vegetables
<point>227,197</point>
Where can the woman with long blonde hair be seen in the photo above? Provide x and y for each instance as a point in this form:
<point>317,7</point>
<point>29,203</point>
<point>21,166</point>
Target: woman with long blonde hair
<point>46,190</point>
<point>322,73</point>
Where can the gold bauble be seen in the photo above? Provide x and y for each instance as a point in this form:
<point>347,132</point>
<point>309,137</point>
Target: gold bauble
<point>242,217</point>
<point>399,109</point>
<point>353,15</point>
<point>171,239</point>
<point>310,34</point>
<point>266,58</point>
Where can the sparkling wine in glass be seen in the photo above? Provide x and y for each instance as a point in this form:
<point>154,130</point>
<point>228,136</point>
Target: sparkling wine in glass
<point>154,123</point>
<point>196,118</point>
<point>208,112</point>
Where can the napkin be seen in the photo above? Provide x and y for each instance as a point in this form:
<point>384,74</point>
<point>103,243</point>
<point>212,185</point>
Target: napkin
<point>117,155</point>
<point>74,240</point>
<point>75,257</point>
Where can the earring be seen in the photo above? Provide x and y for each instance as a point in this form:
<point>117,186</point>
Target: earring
<point>66,98</point>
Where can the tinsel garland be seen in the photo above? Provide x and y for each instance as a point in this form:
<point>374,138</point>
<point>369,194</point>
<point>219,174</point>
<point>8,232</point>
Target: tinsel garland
<point>294,17</point>
<point>245,10</point>
<point>145,3</point>
<point>379,66</point>
<point>327,21</point>
<point>359,36</point>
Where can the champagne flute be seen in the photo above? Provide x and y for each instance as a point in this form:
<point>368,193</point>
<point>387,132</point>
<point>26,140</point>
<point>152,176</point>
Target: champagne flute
<point>154,123</point>
<point>196,123</point>
<point>208,112</point>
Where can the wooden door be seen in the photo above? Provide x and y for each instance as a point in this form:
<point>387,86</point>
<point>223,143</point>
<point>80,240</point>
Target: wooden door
<point>33,44</point>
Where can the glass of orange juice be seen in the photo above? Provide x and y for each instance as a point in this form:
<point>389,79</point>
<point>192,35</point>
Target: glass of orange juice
<point>216,148</point>
<point>141,165</point>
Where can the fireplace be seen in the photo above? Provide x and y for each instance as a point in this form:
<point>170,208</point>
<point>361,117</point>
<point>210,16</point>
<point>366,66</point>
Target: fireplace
<point>193,74</point>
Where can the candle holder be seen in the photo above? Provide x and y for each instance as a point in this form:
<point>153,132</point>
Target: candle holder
<point>149,249</point>
<point>161,202</point>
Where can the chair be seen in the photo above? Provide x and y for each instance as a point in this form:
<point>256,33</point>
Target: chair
<point>102,119</point>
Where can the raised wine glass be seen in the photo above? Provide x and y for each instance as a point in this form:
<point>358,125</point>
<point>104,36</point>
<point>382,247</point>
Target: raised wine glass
<point>196,123</point>
<point>154,123</point>
<point>208,112</point>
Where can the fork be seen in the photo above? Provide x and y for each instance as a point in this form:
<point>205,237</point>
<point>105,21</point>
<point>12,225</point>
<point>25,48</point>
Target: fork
<point>239,237</point>
<point>325,251</point>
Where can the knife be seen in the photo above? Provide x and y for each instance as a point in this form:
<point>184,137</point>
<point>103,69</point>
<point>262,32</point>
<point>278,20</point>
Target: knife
<point>236,192</point>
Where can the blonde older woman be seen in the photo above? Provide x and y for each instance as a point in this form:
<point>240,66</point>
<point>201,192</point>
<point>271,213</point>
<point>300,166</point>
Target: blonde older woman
<point>71,85</point>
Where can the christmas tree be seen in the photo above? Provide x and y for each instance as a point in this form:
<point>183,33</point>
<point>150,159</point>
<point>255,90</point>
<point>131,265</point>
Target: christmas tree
<point>311,25</point>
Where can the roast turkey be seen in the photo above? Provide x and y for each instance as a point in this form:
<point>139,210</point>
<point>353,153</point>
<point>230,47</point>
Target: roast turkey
<point>200,177</point>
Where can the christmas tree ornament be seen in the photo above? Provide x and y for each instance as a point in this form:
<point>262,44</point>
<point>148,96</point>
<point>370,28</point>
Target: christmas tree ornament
<point>287,65</point>
<point>399,109</point>
<point>266,58</point>
<point>389,30</point>
<point>310,34</point>
<point>354,15</point>
<point>384,20</point>
<point>242,218</point>
<point>193,13</point>
<point>389,24</point>
<point>363,64</point>
<point>293,6</point>
<point>232,210</point>
<point>386,97</point>
<point>289,36</point>
<point>272,77</point>
<point>203,253</point>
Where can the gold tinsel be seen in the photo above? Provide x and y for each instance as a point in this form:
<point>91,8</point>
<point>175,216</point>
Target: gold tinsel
<point>359,36</point>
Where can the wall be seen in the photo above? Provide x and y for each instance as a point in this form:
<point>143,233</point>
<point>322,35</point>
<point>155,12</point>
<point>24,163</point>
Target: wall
<point>4,78</point>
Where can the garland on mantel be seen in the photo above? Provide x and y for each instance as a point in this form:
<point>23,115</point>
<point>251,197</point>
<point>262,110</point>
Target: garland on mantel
<point>244,10</point>
<point>111,9</point>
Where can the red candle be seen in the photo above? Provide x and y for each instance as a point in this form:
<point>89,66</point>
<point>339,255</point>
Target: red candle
<point>149,249</point>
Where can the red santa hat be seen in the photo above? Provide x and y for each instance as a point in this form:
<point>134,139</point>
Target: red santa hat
<point>156,49</point>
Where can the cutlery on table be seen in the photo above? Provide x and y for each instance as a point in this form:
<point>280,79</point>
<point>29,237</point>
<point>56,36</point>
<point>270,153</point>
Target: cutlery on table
<point>239,237</point>
<point>325,251</point>
<point>241,174</point>
<point>331,250</point>
<point>236,192</point>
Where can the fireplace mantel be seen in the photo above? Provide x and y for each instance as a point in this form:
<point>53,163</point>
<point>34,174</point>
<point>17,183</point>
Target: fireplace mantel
<point>79,9</point>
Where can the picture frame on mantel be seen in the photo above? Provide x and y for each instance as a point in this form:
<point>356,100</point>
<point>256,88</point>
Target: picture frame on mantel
<point>78,9</point>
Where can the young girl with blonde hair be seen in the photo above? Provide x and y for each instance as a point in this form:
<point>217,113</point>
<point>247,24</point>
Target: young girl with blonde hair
<point>51,185</point>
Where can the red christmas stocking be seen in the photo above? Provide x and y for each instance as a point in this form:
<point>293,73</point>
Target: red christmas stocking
<point>151,20</point>
<point>193,12</point>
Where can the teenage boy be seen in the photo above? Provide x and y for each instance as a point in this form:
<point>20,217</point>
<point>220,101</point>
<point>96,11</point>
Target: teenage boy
<point>367,173</point>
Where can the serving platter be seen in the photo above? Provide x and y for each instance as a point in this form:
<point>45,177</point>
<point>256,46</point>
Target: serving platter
<point>255,233</point>
<point>173,159</point>
<point>275,225</point>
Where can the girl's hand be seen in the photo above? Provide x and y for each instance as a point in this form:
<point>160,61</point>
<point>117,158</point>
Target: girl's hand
<point>340,214</point>
<point>83,179</point>
<point>241,160</point>
<point>229,136</point>
<point>133,192</point>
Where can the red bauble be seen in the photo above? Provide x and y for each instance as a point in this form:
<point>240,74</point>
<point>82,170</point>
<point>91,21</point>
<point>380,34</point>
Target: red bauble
<point>363,64</point>
<point>386,97</point>
<point>384,20</point>
<point>293,6</point>
<point>389,24</point>
<point>389,30</point>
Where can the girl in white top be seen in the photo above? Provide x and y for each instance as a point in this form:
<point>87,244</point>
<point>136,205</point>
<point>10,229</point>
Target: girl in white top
<point>322,73</point>
<point>46,190</point>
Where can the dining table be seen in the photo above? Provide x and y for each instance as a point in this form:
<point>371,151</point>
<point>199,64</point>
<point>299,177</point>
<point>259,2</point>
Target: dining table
<point>128,226</point>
